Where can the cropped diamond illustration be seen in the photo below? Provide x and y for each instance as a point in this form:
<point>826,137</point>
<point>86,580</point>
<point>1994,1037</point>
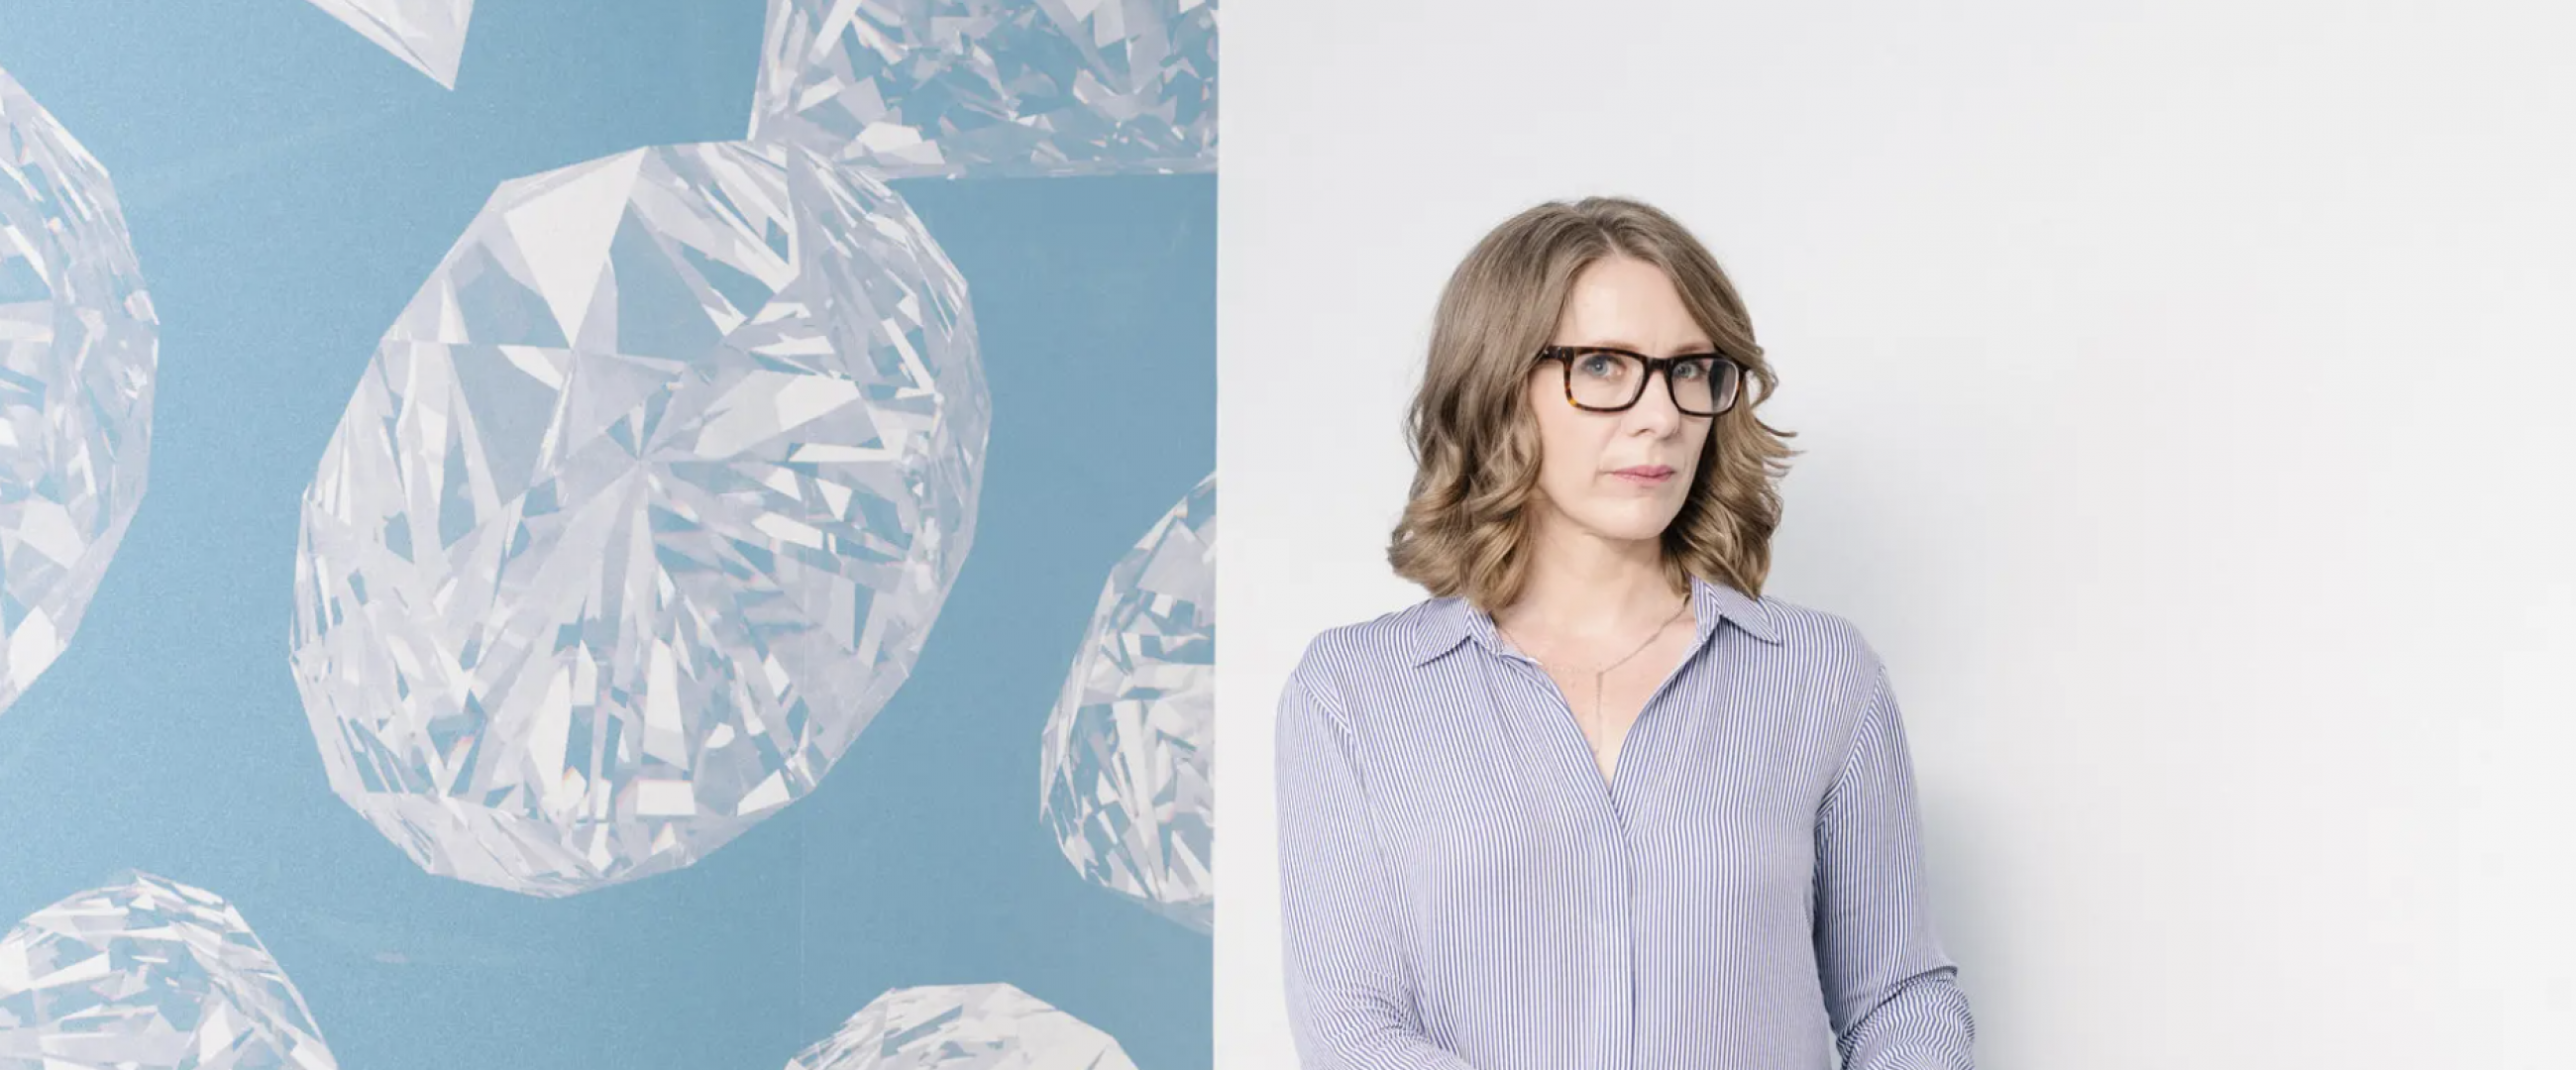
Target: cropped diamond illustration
<point>991,88</point>
<point>1125,763</point>
<point>962,1027</point>
<point>79,345</point>
<point>148,973</point>
<point>428,34</point>
<point>642,510</point>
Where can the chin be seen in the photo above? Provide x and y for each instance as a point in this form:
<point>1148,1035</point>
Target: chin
<point>1630,527</point>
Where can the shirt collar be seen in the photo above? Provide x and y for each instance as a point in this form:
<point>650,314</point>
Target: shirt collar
<point>1449,621</point>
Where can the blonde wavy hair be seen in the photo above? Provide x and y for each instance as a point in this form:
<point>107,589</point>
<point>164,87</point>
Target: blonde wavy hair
<point>1465,529</point>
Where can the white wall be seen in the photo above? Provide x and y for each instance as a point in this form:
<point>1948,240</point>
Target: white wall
<point>2191,418</point>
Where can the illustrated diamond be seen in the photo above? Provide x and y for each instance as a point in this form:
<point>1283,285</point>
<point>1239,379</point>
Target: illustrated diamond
<point>145,973</point>
<point>79,346</point>
<point>641,512</point>
<point>951,88</point>
<point>1128,749</point>
<point>962,1027</point>
<point>428,34</point>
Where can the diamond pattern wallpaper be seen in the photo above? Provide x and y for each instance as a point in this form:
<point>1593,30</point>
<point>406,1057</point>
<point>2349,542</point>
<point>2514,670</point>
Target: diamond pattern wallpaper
<point>654,533</point>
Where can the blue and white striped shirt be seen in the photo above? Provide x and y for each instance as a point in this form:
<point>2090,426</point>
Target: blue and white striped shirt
<point>1460,887</point>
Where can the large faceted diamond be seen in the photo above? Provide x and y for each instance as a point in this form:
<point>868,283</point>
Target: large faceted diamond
<point>993,87</point>
<point>642,510</point>
<point>148,973</point>
<point>1129,745</point>
<point>78,348</point>
<point>427,34</point>
<point>962,1027</point>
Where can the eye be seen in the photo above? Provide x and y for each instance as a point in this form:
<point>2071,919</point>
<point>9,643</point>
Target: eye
<point>1598,364</point>
<point>1691,369</point>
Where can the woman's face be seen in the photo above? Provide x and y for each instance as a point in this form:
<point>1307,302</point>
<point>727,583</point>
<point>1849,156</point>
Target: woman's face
<point>1620,476</point>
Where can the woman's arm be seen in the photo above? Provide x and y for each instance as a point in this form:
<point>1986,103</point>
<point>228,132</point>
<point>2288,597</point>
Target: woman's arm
<point>1890,989</point>
<point>1350,992</point>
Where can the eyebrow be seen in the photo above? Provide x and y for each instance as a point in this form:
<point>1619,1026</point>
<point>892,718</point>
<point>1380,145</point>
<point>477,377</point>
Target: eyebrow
<point>1695,347</point>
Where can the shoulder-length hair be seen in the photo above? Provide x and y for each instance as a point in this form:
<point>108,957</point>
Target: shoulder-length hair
<point>1465,529</point>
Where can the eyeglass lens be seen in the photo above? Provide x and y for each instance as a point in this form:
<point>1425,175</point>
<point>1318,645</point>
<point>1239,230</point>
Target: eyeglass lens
<point>1700,386</point>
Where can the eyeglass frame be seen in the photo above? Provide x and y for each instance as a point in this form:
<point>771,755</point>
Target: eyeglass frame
<point>1654,365</point>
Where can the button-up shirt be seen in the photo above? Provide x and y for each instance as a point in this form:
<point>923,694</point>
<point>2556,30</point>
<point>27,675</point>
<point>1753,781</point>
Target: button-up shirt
<point>1461,887</point>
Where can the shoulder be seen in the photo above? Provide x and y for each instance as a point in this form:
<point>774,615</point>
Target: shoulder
<point>1807,631</point>
<point>1368,645</point>
<point>1344,655</point>
<point>1826,650</point>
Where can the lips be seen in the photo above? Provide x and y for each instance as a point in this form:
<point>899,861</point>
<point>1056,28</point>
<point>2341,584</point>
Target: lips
<point>1645,474</point>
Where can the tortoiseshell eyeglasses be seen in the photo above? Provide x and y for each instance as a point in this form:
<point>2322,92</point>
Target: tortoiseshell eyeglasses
<point>1606,379</point>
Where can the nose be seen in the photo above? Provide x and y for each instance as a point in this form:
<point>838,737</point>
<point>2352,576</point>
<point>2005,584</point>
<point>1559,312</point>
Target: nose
<point>1655,410</point>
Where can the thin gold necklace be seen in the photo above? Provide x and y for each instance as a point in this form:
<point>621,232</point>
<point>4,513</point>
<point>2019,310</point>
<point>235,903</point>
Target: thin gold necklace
<point>1593,733</point>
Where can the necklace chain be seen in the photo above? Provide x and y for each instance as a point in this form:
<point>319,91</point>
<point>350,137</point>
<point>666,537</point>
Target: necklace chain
<point>1598,675</point>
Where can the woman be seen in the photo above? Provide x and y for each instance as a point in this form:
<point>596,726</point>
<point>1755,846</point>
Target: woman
<point>1597,804</point>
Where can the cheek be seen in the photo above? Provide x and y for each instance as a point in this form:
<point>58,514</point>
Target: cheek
<point>1565,451</point>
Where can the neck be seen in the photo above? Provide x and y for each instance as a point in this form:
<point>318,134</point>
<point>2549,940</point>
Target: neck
<point>1581,584</point>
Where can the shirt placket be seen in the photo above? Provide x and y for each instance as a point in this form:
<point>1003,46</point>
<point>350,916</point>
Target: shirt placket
<point>1614,938</point>
<point>1610,924</point>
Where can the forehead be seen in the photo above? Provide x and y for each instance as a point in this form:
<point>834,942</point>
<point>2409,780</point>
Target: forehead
<point>1628,303</point>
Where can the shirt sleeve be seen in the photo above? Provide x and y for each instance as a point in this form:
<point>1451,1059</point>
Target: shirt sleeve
<point>1350,990</point>
<point>1891,991</point>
